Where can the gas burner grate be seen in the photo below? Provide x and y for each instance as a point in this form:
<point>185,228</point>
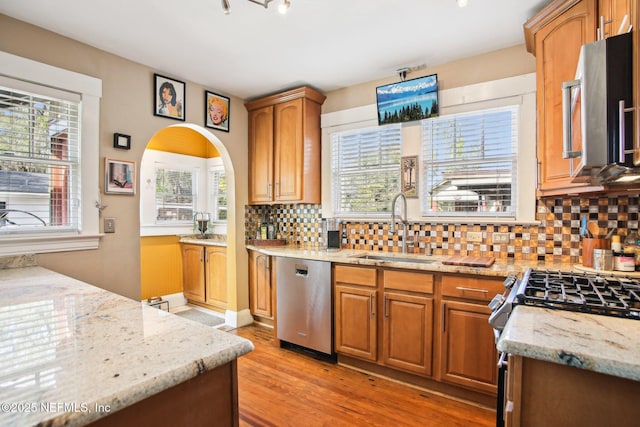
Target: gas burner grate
<point>583,292</point>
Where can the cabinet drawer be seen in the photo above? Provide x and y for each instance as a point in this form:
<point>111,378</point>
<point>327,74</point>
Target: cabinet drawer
<point>365,276</point>
<point>476,288</point>
<point>408,281</point>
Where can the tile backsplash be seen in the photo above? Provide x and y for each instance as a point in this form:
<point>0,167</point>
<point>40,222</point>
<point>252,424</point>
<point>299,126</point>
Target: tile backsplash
<point>555,238</point>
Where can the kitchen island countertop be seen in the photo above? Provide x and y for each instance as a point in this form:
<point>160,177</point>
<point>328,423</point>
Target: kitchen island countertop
<point>599,343</point>
<point>72,353</point>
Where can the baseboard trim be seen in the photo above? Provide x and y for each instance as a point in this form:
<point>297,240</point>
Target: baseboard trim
<point>238,319</point>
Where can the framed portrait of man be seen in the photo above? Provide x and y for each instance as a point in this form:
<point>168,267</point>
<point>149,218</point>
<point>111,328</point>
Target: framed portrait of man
<point>168,97</point>
<point>216,111</point>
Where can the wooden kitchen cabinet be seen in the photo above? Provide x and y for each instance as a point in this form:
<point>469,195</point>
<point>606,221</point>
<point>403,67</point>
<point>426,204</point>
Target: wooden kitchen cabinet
<point>468,354</point>
<point>612,13</point>
<point>407,341</point>
<point>284,147</point>
<point>204,274</point>
<point>355,300</point>
<point>261,295</point>
<point>541,393</point>
<point>555,36</point>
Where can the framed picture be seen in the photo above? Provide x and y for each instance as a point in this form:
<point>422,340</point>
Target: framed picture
<point>121,140</point>
<point>216,111</point>
<point>409,181</point>
<point>168,97</point>
<point>120,176</point>
<point>408,100</point>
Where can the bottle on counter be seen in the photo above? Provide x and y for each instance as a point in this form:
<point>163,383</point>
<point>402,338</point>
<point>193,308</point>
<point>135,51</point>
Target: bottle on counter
<point>271,228</point>
<point>631,249</point>
<point>263,229</point>
<point>616,245</point>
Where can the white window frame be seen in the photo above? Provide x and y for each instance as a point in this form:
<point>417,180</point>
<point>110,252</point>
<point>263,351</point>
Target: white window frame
<point>195,178</point>
<point>215,167</point>
<point>90,90</point>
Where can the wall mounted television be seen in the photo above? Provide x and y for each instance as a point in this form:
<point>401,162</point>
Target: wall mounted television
<point>409,100</point>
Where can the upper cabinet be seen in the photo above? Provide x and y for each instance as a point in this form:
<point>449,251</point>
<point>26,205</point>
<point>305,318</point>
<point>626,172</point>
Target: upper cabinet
<point>555,36</point>
<point>284,147</point>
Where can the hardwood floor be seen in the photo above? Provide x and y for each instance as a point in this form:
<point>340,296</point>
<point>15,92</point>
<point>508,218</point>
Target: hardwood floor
<point>278,387</point>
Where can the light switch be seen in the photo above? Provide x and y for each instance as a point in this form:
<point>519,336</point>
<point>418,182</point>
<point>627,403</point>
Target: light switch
<point>109,225</point>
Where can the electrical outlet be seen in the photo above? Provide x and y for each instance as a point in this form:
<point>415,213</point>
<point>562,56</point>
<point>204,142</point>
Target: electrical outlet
<point>500,237</point>
<point>474,236</point>
<point>109,225</point>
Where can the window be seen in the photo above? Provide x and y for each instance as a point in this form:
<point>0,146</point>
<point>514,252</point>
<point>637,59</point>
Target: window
<point>469,164</point>
<point>38,162</point>
<point>49,152</point>
<point>365,167</point>
<point>175,195</point>
<point>218,194</point>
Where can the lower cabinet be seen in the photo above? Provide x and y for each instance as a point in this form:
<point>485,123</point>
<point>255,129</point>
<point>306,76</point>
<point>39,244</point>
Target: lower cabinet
<point>432,325</point>
<point>204,274</point>
<point>261,290</point>
<point>355,312</point>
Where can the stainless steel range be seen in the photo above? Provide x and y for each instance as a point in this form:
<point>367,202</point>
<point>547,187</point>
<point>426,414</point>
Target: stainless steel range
<point>598,294</point>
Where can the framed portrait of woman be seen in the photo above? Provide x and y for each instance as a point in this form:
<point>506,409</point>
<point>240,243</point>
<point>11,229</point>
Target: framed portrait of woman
<point>216,111</point>
<point>168,97</point>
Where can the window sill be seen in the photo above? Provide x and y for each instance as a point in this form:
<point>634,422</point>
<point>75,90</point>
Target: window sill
<point>34,244</point>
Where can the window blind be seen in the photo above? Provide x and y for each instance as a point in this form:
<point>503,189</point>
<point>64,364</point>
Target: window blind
<point>175,195</point>
<point>39,160</point>
<point>469,163</point>
<point>218,194</point>
<point>365,166</point>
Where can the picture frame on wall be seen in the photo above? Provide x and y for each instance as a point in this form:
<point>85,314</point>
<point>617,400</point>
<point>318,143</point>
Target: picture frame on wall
<point>119,176</point>
<point>121,141</point>
<point>217,111</point>
<point>409,174</point>
<point>408,100</point>
<point>169,97</point>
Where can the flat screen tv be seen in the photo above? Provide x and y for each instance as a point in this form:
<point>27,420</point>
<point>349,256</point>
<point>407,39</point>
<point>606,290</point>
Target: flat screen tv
<point>409,100</point>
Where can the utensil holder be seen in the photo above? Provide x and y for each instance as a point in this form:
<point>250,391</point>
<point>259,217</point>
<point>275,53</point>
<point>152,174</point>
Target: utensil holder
<point>588,245</point>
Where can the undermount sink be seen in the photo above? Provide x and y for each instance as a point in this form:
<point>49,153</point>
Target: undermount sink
<point>396,259</point>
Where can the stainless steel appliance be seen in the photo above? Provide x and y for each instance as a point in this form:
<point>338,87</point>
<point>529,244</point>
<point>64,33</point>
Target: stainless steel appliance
<point>597,132</point>
<point>597,294</point>
<point>304,303</point>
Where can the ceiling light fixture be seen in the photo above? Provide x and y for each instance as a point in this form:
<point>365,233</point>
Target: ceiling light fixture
<point>282,8</point>
<point>462,3</point>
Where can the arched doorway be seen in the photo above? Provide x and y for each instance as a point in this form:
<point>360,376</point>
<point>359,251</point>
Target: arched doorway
<point>194,140</point>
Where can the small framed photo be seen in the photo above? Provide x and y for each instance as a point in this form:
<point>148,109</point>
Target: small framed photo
<point>409,181</point>
<point>168,97</point>
<point>216,114</point>
<point>119,176</point>
<point>121,140</point>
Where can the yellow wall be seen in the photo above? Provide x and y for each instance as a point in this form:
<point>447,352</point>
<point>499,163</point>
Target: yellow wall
<point>161,262</point>
<point>179,140</point>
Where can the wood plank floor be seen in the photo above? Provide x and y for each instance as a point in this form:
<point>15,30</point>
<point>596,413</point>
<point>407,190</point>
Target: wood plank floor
<point>278,387</point>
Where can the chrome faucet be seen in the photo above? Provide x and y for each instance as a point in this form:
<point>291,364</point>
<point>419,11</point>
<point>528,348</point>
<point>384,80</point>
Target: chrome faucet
<point>392,226</point>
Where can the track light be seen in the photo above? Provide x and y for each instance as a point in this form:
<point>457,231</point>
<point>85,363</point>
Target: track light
<point>282,8</point>
<point>462,3</point>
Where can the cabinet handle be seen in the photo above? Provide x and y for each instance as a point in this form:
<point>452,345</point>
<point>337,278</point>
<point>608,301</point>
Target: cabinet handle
<point>269,189</point>
<point>202,254</point>
<point>385,307</point>
<point>444,317</point>
<point>462,288</point>
<point>371,312</point>
<point>502,361</point>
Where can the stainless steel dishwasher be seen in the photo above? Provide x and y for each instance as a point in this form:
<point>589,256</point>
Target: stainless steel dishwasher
<point>303,302</point>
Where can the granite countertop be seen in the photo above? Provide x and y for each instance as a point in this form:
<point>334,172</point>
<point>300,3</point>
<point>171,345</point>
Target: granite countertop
<point>604,344</point>
<point>210,240</point>
<point>500,268</point>
<point>71,353</point>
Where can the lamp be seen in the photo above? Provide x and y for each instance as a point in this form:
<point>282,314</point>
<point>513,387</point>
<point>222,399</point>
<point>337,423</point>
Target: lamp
<point>282,8</point>
<point>462,3</point>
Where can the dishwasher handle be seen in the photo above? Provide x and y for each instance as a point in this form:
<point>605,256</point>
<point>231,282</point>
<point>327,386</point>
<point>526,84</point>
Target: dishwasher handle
<point>302,271</point>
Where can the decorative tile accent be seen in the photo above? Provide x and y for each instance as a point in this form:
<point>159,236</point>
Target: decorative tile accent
<point>555,238</point>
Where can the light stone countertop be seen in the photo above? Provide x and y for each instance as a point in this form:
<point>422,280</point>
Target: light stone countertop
<point>500,268</point>
<point>599,343</point>
<point>211,240</point>
<point>67,347</point>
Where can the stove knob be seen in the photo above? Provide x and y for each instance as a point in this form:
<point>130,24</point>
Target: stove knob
<point>496,302</point>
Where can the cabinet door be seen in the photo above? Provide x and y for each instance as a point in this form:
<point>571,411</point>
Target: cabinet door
<point>288,151</point>
<point>193,272</point>
<point>469,356</point>
<point>261,155</point>
<point>612,15</point>
<point>408,332</point>
<point>260,291</point>
<point>557,50</point>
<point>355,322</point>
<point>216,276</point>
